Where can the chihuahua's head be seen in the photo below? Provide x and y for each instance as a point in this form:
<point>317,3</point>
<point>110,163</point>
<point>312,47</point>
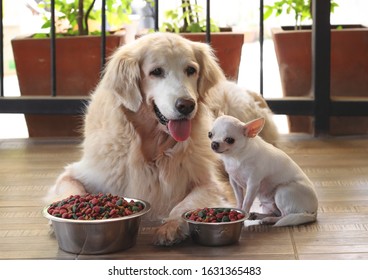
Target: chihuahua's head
<point>229,135</point>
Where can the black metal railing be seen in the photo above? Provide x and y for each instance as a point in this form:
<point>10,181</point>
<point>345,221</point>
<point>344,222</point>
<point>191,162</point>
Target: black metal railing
<point>1,51</point>
<point>321,106</point>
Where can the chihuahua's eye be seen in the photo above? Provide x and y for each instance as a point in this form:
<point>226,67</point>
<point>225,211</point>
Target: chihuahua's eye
<point>229,140</point>
<point>157,72</point>
<point>190,70</point>
<point>210,134</point>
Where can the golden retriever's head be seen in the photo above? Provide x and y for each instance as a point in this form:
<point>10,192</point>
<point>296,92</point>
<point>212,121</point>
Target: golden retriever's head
<point>166,72</point>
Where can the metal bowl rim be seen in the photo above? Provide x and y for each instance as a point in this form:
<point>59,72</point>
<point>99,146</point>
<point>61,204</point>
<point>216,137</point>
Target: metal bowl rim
<point>218,223</point>
<point>146,209</point>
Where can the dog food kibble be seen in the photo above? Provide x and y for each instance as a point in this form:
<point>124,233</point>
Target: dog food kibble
<point>214,215</point>
<point>94,207</point>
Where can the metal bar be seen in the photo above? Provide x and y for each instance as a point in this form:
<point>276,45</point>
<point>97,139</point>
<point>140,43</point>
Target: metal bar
<point>156,16</point>
<point>261,36</point>
<point>103,34</point>
<point>349,107</point>
<point>53,49</point>
<point>44,105</point>
<point>297,106</point>
<point>2,50</point>
<point>321,61</point>
<point>76,105</point>
<point>208,22</point>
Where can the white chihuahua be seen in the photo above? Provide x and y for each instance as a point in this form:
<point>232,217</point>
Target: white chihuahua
<point>259,169</point>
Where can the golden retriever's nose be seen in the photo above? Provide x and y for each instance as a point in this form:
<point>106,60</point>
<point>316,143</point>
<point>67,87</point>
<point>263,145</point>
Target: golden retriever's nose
<point>185,106</point>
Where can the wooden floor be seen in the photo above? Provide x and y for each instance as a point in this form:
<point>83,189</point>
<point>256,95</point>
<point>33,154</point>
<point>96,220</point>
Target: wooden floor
<point>337,166</point>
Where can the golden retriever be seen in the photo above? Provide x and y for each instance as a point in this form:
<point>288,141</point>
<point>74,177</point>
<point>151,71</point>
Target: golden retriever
<point>146,130</point>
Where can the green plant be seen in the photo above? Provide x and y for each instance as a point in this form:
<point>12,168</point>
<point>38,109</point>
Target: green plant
<point>75,16</point>
<point>187,17</point>
<point>301,9</point>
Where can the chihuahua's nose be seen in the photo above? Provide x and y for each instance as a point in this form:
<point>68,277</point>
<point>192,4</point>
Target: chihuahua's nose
<point>185,106</point>
<point>215,145</point>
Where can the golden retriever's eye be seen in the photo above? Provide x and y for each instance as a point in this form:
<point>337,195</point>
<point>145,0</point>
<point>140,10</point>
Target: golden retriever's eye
<point>210,134</point>
<point>229,140</point>
<point>190,70</point>
<point>157,72</point>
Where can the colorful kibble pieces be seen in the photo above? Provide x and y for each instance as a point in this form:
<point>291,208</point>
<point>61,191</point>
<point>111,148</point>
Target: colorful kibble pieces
<point>94,207</point>
<point>214,215</point>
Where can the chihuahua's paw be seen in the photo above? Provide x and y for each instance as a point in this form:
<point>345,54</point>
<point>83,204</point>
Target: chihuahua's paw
<point>253,216</point>
<point>270,220</point>
<point>170,233</point>
<point>261,216</point>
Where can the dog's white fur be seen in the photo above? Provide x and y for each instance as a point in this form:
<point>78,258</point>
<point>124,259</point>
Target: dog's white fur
<point>257,168</point>
<point>127,151</point>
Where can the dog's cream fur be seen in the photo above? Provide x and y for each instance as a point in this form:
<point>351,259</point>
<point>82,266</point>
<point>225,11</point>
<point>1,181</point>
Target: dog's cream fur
<point>257,168</point>
<point>127,151</point>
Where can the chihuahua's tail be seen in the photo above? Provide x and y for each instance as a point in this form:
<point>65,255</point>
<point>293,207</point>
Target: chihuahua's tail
<point>295,219</point>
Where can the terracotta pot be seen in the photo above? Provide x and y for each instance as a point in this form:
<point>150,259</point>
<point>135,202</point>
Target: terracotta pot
<point>78,68</point>
<point>349,72</point>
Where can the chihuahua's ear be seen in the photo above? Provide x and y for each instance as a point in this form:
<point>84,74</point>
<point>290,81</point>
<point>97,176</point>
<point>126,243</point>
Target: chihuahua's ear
<point>252,128</point>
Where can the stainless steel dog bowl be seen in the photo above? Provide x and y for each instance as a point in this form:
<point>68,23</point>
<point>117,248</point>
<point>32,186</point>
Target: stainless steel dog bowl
<point>97,236</point>
<point>215,234</point>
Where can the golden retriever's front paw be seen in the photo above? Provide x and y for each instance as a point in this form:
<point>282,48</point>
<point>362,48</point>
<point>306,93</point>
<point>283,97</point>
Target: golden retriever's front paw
<point>170,233</point>
<point>51,230</point>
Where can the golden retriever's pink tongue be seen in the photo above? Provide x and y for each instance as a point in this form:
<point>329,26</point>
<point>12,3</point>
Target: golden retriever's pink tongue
<point>180,129</point>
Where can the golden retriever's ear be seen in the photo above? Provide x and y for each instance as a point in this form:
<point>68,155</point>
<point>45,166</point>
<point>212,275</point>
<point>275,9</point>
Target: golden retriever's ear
<point>122,76</point>
<point>210,72</point>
